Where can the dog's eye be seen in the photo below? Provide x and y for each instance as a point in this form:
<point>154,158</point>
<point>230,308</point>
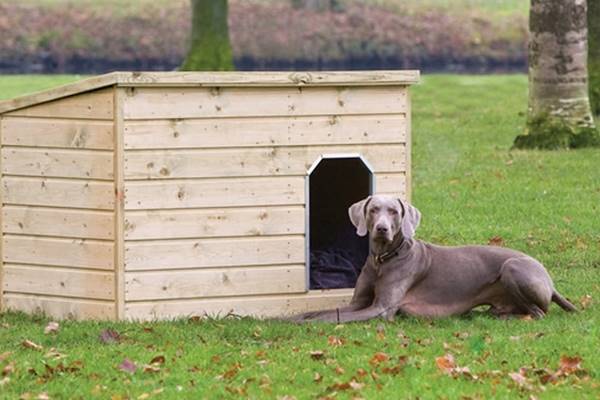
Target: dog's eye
<point>374,210</point>
<point>393,211</point>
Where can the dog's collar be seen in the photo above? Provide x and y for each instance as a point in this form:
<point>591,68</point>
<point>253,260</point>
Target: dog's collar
<point>388,255</point>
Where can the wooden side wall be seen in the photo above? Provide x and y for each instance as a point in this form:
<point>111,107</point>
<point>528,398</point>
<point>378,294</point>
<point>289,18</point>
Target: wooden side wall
<point>214,217</point>
<point>58,220</point>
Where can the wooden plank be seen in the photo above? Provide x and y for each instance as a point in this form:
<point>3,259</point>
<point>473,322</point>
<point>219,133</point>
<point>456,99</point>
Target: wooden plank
<point>222,282</point>
<point>172,224</point>
<point>158,103</point>
<point>93,105</point>
<point>58,192</point>
<point>60,222</point>
<point>214,193</point>
<point>61,308</point>
<point>269,78</point>
<point>256,306</point>
<point>59,282</point>
<point>265,131</point>
<point>51,132</point>
<point>391,183</point>
<point>76,253</point>
<point>217,79</point>
<point>408,194</point>
<point>265,161</point>
<point>208,253</point>
<point>83,164</point>
<point>119,211</point>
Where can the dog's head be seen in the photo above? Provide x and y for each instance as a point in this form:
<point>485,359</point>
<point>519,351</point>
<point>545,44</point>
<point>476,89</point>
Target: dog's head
<point>384,217</point>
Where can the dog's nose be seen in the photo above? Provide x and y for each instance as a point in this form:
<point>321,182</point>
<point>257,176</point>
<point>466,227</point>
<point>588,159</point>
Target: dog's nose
<point>381,229</point>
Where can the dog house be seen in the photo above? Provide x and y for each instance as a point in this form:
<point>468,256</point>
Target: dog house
<point>158,195</point>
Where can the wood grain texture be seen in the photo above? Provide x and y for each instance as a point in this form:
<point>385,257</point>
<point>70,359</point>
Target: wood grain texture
<point>92,105</point>
<point>210,283</point>
<point>392,183</point>
<point>172,224</point>
<point>81,164</point>
<point>61,222</point>
<point>60,307</point>
<point>265,131</point>
<point>53,132</point>
<point>75,253</point>
<point>238,162</point>
<point>256,306</point>
<point>59,282</point>
<point>214,193</point>
<point>58,192</point>
<point>209,253</point>
<point>158,103</point>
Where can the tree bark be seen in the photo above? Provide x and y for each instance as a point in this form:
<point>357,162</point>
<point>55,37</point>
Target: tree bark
<point>558,81</point>
<point>210,48</point>
<point>594,54</point>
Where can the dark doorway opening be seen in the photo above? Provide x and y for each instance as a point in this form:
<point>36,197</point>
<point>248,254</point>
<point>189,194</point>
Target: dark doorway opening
<point>336,254</point>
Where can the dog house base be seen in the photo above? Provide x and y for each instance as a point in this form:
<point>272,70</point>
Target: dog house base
<point>162,195</point>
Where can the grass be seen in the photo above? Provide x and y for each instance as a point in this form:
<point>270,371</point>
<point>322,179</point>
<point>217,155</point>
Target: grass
<point>470,188</point>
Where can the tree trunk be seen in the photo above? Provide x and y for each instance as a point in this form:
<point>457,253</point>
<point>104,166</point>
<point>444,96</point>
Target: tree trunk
<point>559,107</point>
<point>210,48</point>
<point>594,53</point>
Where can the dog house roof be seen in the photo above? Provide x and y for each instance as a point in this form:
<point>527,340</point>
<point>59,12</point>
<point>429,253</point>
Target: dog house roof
<point>217,79</point>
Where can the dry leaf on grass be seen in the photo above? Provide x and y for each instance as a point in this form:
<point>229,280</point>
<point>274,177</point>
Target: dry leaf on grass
<point>378,358</point>
<point>317,354</point>
<point>585,301</point>
<point>109,336</point>
<point>28,344</point>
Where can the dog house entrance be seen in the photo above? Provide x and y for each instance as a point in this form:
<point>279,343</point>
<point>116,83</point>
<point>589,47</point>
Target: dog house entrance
<point>336,254</point>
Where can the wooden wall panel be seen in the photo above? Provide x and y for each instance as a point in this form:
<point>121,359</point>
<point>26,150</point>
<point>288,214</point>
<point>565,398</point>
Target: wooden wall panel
<point>81,164</point>
<point>60,307</point>
<point>214,193</point>
<point>193,223</point>
<point>61,222</point>
<point>165,103</point>
<point>58,192</point>
<point>76,253</point>
<point>267,161</point>
<point>54,132</point>
<point>207,253</point>
<point>93,105</point>
<point>59,282</point>
<point>210,283</point>
<point>265,131</point>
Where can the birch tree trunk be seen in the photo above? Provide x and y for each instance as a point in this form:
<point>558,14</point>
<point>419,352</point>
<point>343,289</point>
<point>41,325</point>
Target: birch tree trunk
<point>594,54</point>
<point>210,48</point>
<point>559,107</point>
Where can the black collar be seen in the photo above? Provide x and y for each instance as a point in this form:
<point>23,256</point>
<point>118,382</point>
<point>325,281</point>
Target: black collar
<point>388,255</point>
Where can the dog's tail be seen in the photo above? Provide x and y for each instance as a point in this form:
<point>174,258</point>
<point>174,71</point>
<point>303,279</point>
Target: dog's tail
<point>562,302</point>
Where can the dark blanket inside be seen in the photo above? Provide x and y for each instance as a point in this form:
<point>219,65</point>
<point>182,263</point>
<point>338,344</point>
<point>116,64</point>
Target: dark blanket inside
<point>334,268</point>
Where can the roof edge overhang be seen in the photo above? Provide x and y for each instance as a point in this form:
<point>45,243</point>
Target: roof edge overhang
<point>217,79</point>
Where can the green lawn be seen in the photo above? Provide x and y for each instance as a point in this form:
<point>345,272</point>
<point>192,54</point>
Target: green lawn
<point>470,188</point>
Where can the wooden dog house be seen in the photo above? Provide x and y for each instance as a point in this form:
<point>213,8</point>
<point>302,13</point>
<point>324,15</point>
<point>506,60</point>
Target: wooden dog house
<point>157,195</point>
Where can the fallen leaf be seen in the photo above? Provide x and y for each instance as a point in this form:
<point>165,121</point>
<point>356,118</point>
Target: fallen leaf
<point>446,363</point>
<point>380,332</point>
<point>128,366</point>
<point>496,241</point>
<point>52,327</point>
<point>151,368</point>
<point>569,365</point>
<point>8,369</point>
<point>521,380</point>
<point>232,371</point>
<point>585,301</point>
<point>160,359</point>
<point>317,354</point>
<point>43,396</point>
<point>361,372</point>
<point>5,355</point>
<point>339,370</point>
<point>28,344</point>
<point>109,336</point>
<point>4,381</point>
<point>336,341</point>
<point>317,377</point>
<point>378,358</point>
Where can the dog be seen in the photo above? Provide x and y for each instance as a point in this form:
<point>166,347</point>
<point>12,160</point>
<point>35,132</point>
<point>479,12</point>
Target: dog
<point>408,276</point>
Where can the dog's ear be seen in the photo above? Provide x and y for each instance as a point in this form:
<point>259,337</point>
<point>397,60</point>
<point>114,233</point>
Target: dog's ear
<point>357,213</point>
<point>410,219</point>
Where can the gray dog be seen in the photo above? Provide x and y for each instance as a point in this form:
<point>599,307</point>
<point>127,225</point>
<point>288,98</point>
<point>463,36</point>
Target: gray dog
<point>409,276</point>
